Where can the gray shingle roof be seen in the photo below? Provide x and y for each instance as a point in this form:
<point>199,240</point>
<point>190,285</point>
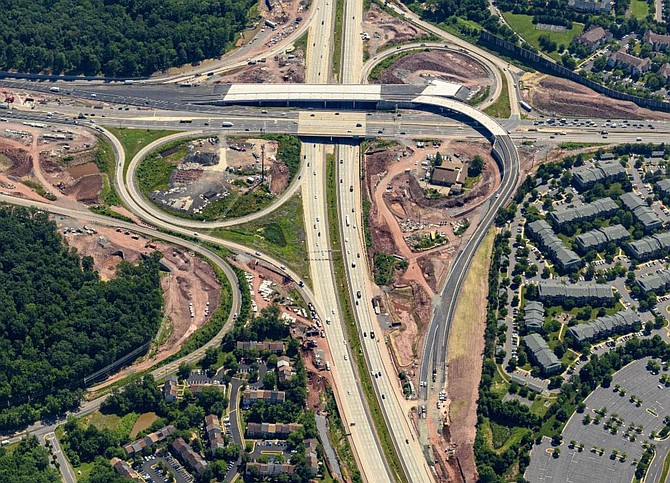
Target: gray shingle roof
<point>648,247</point>
<point>664,186</point>
<point>600,237</point>
<point>602,327</point>
<point>657,283</point>
<point>534,315</point>
<point>541,232</point>
<point>582,292</point>
<point>541,354</point>
<point>584,212</point>
<point>585,177</point>
<point>644,214</point>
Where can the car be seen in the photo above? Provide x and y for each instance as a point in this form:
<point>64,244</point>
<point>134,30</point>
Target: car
<point>383,397</point>
<point>346,358</point>
<point>358,294</point>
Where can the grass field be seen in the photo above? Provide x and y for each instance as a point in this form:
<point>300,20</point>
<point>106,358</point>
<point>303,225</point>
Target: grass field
<point>337,38</point>
<point>638,9</point>
<point>280,234</point>
<point>472,297</point>
<point>666,468</point>
<point>523,25</point>
<point>135,139</point>
<point>501,107</point>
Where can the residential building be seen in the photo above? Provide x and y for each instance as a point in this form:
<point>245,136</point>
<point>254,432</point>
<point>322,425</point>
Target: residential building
<point>602,327</point>
<point>649,247</point>
<point>584,293</point>
<point>527,381</point>
<point>629,63</point>
<point>542,355</point>
<point>284,369</point>
<point>595,6</point>
<point>663,187</point>
<point>274,347</point>
<point>588,212</point>
<point>170,388</point>
<point>187,455</point>
<point>598,238</point>
<point>533,316</point>
<point>271,430</point>
<point>664,70</point>
<point>641,211</point>
<point>148,440</point>
<point>540,231</point>
<point>657,41</point>
<point>214,433</point>
<point>250,396</point>
<point>585,177</point>
<point>657,283</point>
<point>125,470</point>
<point>311,455</point>
<point>269,469</point>
<point>594,37</point>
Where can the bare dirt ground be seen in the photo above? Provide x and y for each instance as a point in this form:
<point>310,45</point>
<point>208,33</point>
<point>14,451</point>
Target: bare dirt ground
<point>276,70</point>
<point>547,94</point>
<point>190,280</point>
<point>386,30</point>
<point>398,198</point>
<point>422,67</point>
<point>466,343</point>
<point>57,165</point>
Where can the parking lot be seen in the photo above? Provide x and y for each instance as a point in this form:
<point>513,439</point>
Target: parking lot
<point>589,466</point>
<point>151,473</point>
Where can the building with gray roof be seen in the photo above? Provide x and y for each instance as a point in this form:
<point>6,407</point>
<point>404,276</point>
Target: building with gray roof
<point>556,293</point>
<point>585,177</point>
<point>598,238</point>
<point>540,353</point>
<point>528,381</point>
<point>653,246</point>
<point>663,187</point>
<point>620,323</point>
<point>588,212</point>
<point>540,231</point>
<point>657,282</point>
<point>533,316</point>
<point>641,211</point>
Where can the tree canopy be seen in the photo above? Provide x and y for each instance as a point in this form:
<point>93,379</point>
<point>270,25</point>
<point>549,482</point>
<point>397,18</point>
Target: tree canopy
<point>58,321</point>
<point>123,38</point>
<point>27,463</point>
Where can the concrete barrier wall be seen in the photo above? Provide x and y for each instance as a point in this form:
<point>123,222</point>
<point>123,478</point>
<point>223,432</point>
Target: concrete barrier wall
<point>549,67</point>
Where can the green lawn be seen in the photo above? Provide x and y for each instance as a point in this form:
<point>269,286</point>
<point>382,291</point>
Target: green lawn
<point>523,25</point>
<point>280,234</point>
<point>501,107</point>
<point>638,9</point>
<point>135,139</point>
<point>666,467</point>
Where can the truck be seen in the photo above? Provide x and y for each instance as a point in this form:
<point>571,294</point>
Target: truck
<point>54,89</point>
<point>128,82</point>
<point>346,219</point>
<point>328,365</point>
<point>525,105</point>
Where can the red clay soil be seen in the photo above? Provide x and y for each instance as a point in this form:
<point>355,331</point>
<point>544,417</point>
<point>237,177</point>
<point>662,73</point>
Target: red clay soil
<point>548,94</point>
<point>279,178</point>
<point>449,66</point>
<point>85,189</point>
<point>21,162</point>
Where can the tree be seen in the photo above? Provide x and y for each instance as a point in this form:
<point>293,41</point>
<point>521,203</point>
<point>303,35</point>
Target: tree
<point>476,166</point>
<point>438,159</point>
<point>270,380</point>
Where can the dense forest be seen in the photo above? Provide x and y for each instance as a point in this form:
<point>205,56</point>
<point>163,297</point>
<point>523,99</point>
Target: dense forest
<point>27,463</point>
<point>117,38</point>
<point>58,321</point>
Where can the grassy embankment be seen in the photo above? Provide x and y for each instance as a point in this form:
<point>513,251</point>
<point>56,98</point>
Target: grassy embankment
<point>501,107</point>
<point>280,234</point>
